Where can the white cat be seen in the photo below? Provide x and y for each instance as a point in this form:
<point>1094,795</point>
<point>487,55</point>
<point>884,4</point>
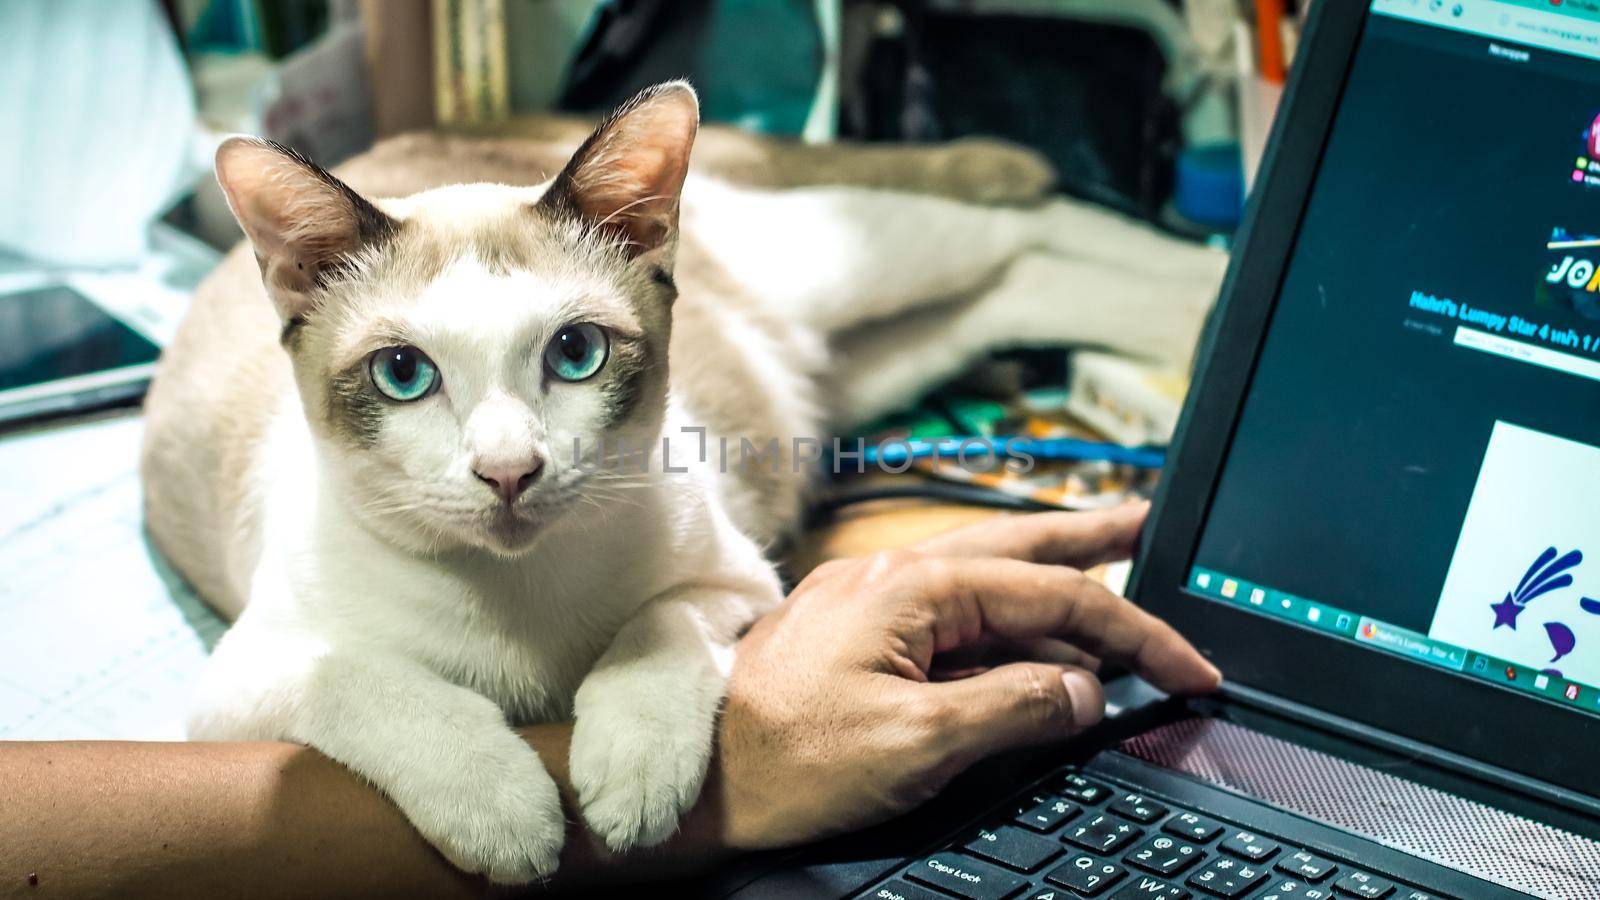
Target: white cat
<point>385,466</point>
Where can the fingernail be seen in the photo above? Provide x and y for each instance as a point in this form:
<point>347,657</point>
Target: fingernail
<point>1087,705</point>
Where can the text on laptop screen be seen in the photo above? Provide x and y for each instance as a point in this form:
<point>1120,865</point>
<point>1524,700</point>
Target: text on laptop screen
<point>1417,464</point>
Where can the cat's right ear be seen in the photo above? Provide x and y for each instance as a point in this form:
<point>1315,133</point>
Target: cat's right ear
<point>300,219</point>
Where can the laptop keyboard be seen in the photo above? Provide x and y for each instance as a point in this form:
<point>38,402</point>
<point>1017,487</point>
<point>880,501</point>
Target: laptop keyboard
<point>1073,836</point>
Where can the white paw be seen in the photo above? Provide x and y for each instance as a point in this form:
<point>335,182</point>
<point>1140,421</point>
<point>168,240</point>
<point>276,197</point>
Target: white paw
<point>498,816</point>
<point>640,750</point>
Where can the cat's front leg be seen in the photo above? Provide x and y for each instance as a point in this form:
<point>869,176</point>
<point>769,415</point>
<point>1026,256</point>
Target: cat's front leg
<point>646,714</point>
<point>444,754</point>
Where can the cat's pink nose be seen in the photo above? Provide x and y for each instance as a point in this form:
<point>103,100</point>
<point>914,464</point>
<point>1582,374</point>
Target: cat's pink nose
<point>509,481</point>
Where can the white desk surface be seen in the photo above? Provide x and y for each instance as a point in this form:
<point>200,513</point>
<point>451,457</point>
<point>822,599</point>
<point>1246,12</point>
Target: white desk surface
<point>98,638</point>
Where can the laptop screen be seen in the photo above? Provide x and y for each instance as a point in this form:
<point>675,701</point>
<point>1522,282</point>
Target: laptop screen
<point>1416,467</point>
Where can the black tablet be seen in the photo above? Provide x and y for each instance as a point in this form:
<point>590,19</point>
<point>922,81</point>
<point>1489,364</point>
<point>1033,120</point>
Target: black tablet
<point>62,353</point>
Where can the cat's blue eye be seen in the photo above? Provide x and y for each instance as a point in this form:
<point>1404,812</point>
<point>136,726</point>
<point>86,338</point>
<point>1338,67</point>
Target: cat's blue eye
<point>577,352</point>
<point>403,373</point>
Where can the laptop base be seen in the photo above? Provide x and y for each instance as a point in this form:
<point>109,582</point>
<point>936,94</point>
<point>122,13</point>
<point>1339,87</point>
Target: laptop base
<point>1204,800</point>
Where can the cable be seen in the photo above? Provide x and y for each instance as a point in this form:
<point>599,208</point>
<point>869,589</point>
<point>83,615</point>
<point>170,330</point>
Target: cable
<point>968,494</point>
<point>899,453</point>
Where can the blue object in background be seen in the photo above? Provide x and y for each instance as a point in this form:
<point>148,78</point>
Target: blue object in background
<point>756,63</point>
<point>227,26</point>
<point>1210,188</point>
<point>759,65</point>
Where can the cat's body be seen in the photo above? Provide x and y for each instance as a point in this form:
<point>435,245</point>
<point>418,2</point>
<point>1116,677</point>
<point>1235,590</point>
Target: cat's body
<point>396,614</point>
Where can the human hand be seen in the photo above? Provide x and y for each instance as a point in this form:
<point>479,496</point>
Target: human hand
<point>835,718</point>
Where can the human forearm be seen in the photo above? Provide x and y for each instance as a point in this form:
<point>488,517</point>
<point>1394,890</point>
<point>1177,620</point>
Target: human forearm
<point>234,819</point>
<point>201,820</point>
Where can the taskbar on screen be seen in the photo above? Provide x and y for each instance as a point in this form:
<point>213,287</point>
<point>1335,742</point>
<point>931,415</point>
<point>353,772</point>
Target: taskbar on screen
<point>1306,613</point>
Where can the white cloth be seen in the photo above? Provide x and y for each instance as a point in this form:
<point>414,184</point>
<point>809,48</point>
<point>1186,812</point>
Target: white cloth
<point>96,120</point>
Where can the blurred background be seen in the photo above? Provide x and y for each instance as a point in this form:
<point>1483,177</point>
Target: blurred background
<point>1138,104</point>
<point>1154,109</point>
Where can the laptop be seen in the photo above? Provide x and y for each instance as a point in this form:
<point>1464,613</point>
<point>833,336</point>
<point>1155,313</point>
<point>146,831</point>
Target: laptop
<point>1381,519</point>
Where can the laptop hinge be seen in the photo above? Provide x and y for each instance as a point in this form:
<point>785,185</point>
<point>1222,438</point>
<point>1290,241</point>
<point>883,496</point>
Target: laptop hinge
<point>1411,749</point>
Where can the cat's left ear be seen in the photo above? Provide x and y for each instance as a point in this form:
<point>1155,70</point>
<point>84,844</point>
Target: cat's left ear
<point>626,178</point>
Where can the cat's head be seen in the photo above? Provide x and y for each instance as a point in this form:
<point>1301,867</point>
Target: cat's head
<point>454,347</point>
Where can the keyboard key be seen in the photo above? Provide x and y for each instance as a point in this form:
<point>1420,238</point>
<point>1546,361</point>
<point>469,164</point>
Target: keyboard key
<point>1048,815</point>
<point>1140,809</point>
<point>1307,865</point>
<point>1143,887</point>
<point>1086,874</point>
<point>1249,846</point>
<point>1013,847</point>
<point>1082,789</point>
<point>1103,834</point>
<point>900,890</point>
<point>1193,827</point>
<point>1290,889</point>
<point>1227,877</point>
<point>966,877</point>
<point>1419,895</point>
<point>1164,855</point>
<point>1028,800</point>
<point>1368,887</point>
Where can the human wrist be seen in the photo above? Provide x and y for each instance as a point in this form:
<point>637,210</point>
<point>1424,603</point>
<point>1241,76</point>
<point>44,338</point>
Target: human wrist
<point>586,861</point>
